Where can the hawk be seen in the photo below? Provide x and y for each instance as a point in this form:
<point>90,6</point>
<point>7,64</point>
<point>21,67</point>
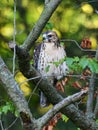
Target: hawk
<point>49,60</point>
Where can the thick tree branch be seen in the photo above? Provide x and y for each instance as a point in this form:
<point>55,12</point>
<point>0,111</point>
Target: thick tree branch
<point>44,17</point>
<point>47,1</point>
<point>15,94</point>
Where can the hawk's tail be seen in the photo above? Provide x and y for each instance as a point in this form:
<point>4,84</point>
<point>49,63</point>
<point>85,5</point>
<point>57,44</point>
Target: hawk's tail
<point>43,100</point>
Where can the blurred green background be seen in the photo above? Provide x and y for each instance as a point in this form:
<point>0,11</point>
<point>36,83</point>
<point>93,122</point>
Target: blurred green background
<point>75,20</point>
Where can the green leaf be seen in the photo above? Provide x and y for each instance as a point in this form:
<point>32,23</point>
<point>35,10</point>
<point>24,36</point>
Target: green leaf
<point>31,62</point>
<point>62,43</point>
<point>69,61</point>
<point>76,59</point>
<point>91,65</point>
<point>65,118</point>
<point>94,65</point>
<point>84,62</point>
<point>47,68</point>
<point>16,113</point>
<point>0,110</point>
<point>5,109</point>
<point>57,63</point>
<point>96,121</point>
<point>78,129</point>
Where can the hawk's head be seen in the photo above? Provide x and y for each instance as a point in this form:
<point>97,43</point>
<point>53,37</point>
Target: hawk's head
<point>51,37</point>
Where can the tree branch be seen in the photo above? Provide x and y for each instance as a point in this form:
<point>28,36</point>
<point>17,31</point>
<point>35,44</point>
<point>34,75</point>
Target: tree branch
<point>44,17</point>
<point>90,106</point>
<point>96,106</point>
<point>70,99</point>
<point>23,57</point>
<point>47,1</point>
<point>16,95</point>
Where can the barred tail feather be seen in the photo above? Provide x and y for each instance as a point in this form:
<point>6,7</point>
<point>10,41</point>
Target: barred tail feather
<point>43,100</point>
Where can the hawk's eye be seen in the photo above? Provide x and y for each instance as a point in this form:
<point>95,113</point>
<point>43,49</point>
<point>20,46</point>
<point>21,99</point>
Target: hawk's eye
<point>50,36</point>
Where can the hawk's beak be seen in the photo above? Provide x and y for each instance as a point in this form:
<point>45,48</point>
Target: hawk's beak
<point>45,38</point>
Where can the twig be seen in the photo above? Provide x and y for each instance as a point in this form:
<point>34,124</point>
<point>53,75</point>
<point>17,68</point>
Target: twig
<point>1,124</point>
<point>33,78</point>
<point>34,90</point>
<point>11,124</point>
<point>74,41</point>
<point>14,37</point>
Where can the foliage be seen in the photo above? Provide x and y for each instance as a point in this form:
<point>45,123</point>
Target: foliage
<point>77,64</point>
<point>8,106</point>
<point>65,118</point>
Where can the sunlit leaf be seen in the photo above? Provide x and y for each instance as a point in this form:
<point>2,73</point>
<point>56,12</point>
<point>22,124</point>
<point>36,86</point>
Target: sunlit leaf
<point>87,8</point>
<point>62,43</point>
<point>56,63</point>
<point>69,61</point>
<point>83,62</point>
<point>64,118</point>
<point>76,59</point>
<point>96,121</point>
<point>16,113</point>
<point>6,108</point>
<point>91,65</point>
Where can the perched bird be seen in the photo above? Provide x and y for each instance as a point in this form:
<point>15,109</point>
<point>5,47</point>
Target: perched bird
<point>49,60</point>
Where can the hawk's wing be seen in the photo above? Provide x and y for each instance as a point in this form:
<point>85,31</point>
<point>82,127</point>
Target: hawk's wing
<point>36,55</point>
<point>43,99</point>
